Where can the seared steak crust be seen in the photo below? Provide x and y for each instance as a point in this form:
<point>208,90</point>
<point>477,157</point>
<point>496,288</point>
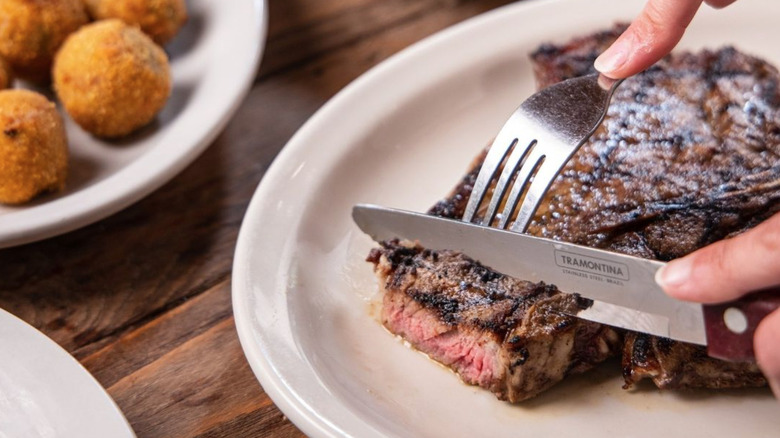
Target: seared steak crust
<point>503,334</point>
<point>678,365</point>
<point>689,154</point>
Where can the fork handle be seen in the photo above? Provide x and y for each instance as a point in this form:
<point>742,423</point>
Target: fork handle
<point>730,326</point>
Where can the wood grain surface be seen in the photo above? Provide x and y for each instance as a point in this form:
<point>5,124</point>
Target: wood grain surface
<point>142,298</point>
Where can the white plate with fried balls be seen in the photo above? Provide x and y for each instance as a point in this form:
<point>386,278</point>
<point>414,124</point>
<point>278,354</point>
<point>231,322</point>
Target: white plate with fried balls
<point>174,102</point>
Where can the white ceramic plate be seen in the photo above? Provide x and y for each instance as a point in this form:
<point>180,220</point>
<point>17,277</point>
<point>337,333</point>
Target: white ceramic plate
<point>213,63</point>
<point>46,393</point>
<point>403,135</point>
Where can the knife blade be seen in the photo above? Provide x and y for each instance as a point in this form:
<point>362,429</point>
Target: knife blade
<point>622,287</point>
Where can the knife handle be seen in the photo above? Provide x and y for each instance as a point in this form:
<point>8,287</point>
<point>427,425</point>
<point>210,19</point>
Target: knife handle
<point>730,326</point>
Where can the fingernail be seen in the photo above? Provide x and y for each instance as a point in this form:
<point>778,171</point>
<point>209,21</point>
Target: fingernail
<point>613,58</point>
<point>674,274</point>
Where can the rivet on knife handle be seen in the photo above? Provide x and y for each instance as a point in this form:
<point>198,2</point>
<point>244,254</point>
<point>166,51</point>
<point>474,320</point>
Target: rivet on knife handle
<point>730,326</point>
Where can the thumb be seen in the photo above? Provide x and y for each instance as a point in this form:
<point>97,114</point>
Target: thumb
<point>727,269</point>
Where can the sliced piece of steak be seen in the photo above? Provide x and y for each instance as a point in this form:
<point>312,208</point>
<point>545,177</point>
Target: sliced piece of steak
<point>505,335</point>
<point>689,154</point>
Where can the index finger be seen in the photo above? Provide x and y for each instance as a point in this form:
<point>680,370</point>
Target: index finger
<point>650,37</point>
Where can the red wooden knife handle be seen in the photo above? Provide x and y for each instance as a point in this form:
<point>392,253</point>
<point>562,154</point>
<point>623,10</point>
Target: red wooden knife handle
<point>744,315</point>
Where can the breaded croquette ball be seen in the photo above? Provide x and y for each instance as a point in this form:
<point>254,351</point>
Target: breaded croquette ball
<point>111,78</point>
<point>160,19</point>
<point>5,75</point>
<point>33,146</point>
<point>31,31</point>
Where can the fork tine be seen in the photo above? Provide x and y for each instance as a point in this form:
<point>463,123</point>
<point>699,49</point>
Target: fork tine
<point>544,177</point>
<point>521,182</point>
<point>498,150</point>
<point>515,160</point>
<point>559,119</point>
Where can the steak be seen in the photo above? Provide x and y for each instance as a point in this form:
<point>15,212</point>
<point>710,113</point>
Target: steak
<point>503,334</point>
<point>687,155</point>
<point>678,365</point>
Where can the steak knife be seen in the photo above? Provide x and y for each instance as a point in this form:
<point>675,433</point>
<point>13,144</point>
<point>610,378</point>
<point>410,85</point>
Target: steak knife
<point>622,288</point>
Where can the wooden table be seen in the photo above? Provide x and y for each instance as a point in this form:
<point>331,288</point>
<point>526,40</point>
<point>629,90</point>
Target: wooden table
<point>142,298</point>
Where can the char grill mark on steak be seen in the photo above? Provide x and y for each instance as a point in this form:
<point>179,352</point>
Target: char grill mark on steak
<point>687,155</point>
<point>505,335</point>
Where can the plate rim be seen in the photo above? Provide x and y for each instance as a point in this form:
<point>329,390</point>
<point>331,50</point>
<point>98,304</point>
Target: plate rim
<point>122,188</point>
<point>63,357</point>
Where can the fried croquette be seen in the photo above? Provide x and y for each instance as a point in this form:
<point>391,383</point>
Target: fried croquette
<point>160,19</point>
<point>111,78</point>
<point>5,75</point>
<point>31,31</point>
<point>33,146</point>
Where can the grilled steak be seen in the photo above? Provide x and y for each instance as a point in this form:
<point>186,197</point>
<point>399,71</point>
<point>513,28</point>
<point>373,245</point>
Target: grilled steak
<point>678,365</point>
<point>688,155</point>
<point>505,335</point>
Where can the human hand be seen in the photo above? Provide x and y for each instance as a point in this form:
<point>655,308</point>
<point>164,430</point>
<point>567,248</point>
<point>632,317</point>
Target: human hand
<point>729,269</point>
<point>651,36</point>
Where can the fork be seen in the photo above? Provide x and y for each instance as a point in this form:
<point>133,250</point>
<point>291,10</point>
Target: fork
<point>534,145</point>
